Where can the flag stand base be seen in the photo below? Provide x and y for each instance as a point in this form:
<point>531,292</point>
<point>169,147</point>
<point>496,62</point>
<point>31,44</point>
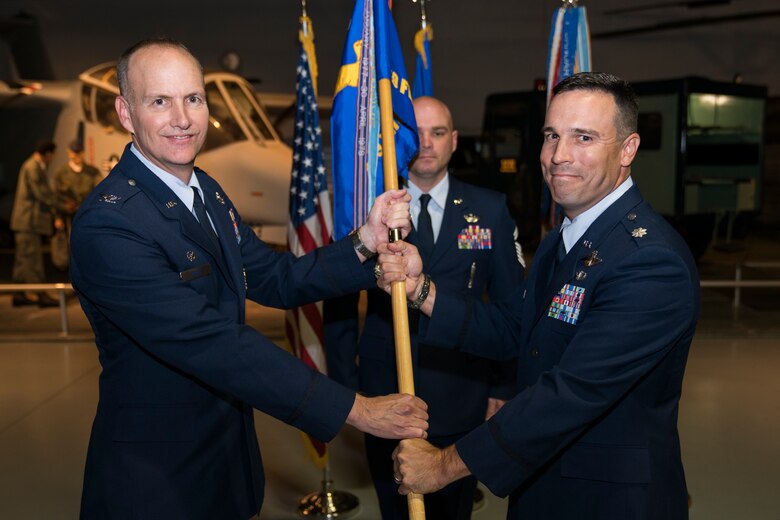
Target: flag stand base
<point>328,503</point>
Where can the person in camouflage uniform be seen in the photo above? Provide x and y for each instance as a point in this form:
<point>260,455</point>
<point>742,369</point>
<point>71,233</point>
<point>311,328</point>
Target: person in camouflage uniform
<point>31,220</point>
<point>75,179</point>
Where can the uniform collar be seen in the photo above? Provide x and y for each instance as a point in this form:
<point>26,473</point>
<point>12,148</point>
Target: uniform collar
<point>574,229</point>
<point>182,190</point>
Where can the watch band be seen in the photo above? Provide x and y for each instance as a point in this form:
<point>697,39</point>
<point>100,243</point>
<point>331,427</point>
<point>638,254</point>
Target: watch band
<point>359,246</point>
<point>426,287</point>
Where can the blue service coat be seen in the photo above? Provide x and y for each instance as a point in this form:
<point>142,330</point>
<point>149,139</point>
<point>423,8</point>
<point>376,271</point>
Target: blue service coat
<point>593,432</point>
<point>173,435</point>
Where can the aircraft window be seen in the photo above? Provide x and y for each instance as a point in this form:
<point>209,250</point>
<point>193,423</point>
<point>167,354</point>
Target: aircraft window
<point>258,126</point>
<point>106,113</point>
<point>223,128</point>
<point>86,102</point>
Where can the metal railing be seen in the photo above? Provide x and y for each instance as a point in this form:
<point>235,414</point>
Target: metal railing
<point>42,287</point>
<point>738,283</point>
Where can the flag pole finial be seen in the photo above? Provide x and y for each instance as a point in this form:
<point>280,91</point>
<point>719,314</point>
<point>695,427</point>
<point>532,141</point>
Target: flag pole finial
<point>304,18</point>
<point>423,14</point>
<point>566,3</point>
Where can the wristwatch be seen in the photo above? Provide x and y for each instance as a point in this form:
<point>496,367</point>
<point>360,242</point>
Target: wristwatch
<point>426,287</point>
<point>359,246</point>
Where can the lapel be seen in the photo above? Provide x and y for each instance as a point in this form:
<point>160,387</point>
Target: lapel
<point>542,262</point>
<point>161,197</point>
<point>219,207</point>
<point>591,240</point>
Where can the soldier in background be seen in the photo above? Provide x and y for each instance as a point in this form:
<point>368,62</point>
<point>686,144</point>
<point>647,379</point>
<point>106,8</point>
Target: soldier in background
<point>75,179</point>
<point>32,219</point>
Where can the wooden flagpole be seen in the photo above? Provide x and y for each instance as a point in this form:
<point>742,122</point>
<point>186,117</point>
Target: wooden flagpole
<point>403,348</point>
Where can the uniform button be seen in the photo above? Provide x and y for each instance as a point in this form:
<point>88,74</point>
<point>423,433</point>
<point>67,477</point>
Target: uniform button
<point>631,216</point>
<point>535,352</point>
<point>131,182</point>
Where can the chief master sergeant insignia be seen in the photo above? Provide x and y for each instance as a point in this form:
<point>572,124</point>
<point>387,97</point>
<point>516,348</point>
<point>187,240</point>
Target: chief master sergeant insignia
<point>639,232</point>
<point>109,198</point>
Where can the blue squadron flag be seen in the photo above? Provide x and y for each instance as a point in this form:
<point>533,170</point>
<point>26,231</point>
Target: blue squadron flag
<point>423,75</point>
<point>372,52</point>
<point>310,217</point>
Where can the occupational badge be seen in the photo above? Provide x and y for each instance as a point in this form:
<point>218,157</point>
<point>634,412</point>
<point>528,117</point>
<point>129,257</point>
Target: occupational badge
<point>191,256</point>
<point>475,237</point>
<point>580,276</point>
<point>471,218</point>
<point>457,202</point>
<point>566,304</point>
<point>639,232</point>
<point>111,199</point>
<point>593,259</point>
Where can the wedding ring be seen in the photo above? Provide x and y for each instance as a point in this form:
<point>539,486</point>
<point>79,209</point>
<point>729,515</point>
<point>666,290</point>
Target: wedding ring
<point>397,480</point>
<point>378,271</point>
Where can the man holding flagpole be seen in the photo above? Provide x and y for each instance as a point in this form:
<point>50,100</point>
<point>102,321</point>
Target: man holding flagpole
<point>602,329</point>
<point>163,264</point>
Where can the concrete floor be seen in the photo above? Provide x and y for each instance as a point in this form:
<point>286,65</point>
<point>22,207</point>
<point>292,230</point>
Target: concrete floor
<point>729,417</point>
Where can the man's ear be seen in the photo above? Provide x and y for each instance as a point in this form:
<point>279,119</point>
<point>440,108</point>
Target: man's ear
<point>123,110</point>
<point>630,147</point>
<point>454,140</point>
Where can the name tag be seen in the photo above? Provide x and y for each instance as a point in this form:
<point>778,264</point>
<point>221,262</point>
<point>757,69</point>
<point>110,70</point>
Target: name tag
<point>195,272</point>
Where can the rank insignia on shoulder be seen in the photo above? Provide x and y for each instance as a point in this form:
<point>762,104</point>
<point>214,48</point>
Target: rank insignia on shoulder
<point>170,204</point>
<point>111,199</point>
<point>593,259</point>
<point>471,218</point>
<point>566,304</point>
<point>475,237</point>
<point>639,232</point>
<point>219,198</point>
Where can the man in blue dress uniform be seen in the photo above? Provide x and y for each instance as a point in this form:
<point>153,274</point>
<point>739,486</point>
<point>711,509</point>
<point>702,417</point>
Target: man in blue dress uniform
<point>602,330</point>
<point>162,264</point>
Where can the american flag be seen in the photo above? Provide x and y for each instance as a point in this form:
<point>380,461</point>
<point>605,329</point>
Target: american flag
<point>311,223</point>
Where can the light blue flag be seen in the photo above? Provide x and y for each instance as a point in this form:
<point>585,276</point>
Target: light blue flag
<point>372,51</point>
<point>423,74</point>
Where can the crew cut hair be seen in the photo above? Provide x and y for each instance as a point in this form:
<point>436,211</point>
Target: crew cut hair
<point>621,91</point>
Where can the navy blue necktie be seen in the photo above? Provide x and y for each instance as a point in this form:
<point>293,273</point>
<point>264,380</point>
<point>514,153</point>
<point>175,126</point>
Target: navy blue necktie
<point>425,228</point>
<point>203,218</point>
